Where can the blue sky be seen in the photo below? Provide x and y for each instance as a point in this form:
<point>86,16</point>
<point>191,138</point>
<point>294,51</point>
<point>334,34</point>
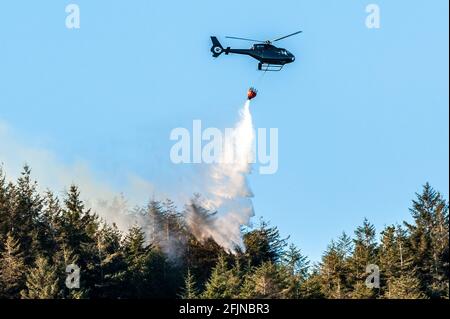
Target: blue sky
<point>362,114</point>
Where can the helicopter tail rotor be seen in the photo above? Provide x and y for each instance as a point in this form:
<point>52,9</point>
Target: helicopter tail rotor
<point>216,49</point>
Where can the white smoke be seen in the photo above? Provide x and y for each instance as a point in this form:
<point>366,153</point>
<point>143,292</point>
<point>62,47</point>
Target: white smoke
<point>107,201</point>
<point>227,191</point>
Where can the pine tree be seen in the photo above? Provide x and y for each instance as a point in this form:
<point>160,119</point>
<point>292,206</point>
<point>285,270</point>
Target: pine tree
<point>440,244</point>
<point>197,218</point>
<point>364,254</point>
<point>407,286</point>
<point>264,244</point>
<point>76,233</point>
<point>429,241</point>
<point>12,268</point>
<point>24,212</point>
<point>189,290</point>
<point>296,262</point>
<point>46,225</point>
<point>77,226</point>
<point>155,222</point>
<point>173,232</point>
<point>364,249</point>
<point>335,269</point>
<point>394,257</point>
<point>311,288</point>
<point>361,291</point>
<point>111,263</point>
<point>42,281</point>
<point>297,267</point>
<point>266,281</point>
<point>137,256</point>
<point>223,283</point>
<point>172,226</point>
<point>134,242</point>
<point>201,257</point>
<point>4,206</point>
<point>163,277</point>
<point>62,258</point>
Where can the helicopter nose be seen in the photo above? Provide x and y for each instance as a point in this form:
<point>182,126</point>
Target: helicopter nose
<point>292,58</point>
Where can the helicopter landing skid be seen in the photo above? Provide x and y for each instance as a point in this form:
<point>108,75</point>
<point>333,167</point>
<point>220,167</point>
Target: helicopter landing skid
<point>269,67</point>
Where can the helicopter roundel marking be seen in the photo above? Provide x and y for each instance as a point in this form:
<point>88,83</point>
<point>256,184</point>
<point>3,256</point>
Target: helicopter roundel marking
<point>217,49</point>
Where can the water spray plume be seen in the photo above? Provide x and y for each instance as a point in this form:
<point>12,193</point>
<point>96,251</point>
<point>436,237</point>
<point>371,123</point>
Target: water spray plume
<point>228,192</point>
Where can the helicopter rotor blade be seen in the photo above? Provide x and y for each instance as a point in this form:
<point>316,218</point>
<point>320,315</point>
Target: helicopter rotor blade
<point>252,40</point>
<point>287,36</point>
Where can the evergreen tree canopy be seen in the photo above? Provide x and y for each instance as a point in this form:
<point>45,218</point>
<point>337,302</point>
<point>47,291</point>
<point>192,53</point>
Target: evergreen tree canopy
<point>166,255</point>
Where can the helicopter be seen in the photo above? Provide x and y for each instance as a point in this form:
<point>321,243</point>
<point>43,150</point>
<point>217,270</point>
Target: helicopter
<point>270,57</point>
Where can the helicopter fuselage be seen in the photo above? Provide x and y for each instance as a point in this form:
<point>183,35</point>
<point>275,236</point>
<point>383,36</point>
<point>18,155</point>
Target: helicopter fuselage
<point>265,53</point>
<point>270,57</point>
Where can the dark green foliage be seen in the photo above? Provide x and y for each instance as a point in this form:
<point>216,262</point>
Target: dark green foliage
<point>25,205</point>
<point>12,268</point>
<point>311,288</point>
<point>42,281</point>
<point>335,268</point>
<point>297,267</point>
<point>264,244</point>
<point>364,253</point>
<point>168,257</point>
<point>224,283</point>
<point>429,240</point>
<point>201,257</point>
<point>269,280</point>
<point>407,286</point>
<point>189,290</point>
